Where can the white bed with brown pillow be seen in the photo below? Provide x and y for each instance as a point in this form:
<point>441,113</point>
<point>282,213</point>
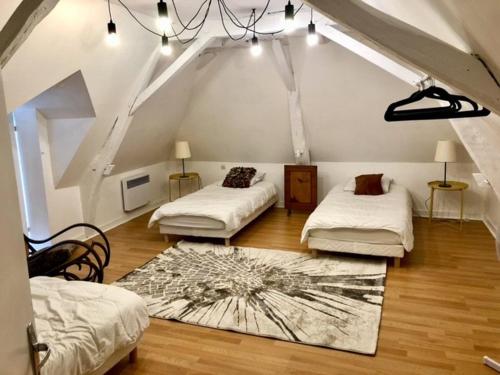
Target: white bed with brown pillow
<point>379,225</point>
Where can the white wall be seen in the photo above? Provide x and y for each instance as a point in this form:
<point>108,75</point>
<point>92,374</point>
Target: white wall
<point>15,296</point>
<point>63,205</point>
<point>29,146</point>
<point>414,176</point>
<point>492,216</point>
<point>110,208</point>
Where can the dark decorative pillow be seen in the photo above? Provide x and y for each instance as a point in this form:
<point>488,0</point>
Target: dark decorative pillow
<point>369,184</point>
<point>239,177</point>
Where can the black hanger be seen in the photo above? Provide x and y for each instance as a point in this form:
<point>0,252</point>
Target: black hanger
<point>452,110</point>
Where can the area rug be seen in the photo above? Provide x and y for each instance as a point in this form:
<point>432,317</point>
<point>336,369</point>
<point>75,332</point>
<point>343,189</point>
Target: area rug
<point>331,301</point>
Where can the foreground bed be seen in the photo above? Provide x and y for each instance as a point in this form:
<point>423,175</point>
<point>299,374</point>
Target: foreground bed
<point>88,327</point>
<point>378,225</point>
<point>215,211</point>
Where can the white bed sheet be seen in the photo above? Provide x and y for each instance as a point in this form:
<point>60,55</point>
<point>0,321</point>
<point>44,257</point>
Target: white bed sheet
<point>227,205</point>
<point>84,323</point>
<point>343,209</point>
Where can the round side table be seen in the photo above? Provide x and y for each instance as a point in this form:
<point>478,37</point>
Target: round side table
<point>179,178</point>
<point>454,186</point>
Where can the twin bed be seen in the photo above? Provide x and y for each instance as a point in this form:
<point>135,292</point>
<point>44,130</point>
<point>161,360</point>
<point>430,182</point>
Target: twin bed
<point>378,225</point>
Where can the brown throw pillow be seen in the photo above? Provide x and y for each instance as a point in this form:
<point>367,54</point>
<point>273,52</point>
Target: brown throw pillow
<point>239,177</point>
<point>369,184</point>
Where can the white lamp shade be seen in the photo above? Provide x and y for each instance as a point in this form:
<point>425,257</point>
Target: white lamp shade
<point>446,152</point>
<point>182,150</point>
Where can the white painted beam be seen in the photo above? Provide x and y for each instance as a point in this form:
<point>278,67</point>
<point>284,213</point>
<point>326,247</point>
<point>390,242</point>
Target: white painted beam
<point>411,76</point>
<point>20,25</point>
<point>94,176</point>
<point>175,68</point>
<point>284,66</point>
<point>413,47</point>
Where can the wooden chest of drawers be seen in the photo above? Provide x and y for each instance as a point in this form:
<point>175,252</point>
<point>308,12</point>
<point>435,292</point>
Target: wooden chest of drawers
<point>301,187</point>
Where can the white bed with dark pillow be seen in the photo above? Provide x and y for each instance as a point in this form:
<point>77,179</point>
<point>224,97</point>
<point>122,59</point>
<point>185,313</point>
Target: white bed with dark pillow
<point>216,210</point>
<point>379,225</point>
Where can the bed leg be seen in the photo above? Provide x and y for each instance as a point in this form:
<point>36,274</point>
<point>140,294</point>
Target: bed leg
<point>132,356</point>
<point>227,241</point>
<point>397,262</point>
<point>314,253</point>
<point>165,237</point>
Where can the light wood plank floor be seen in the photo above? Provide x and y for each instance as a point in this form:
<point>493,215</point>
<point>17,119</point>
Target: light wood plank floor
<point>441,311</point>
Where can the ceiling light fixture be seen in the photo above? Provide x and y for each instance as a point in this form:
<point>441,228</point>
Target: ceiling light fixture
<point>112,37</point>
<point>164,21</point>
<point>190,30</point>
<point>255,47</point>
<point>166,48</point>
<point>312,36</point>
<point>289,18</point>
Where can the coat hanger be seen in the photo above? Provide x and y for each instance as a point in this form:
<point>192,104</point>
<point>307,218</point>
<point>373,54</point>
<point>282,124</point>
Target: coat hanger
<point>452,110</point>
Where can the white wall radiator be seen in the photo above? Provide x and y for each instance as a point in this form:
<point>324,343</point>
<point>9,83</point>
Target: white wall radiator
<point>136,191</point>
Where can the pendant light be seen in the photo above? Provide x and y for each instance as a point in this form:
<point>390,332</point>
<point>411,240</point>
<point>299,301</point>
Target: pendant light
<point>166,49</point>
<point>289,17</point>
<point>164,21</point>
<point>255,47</point>
<point>112,37</point>
<point>312,37</point>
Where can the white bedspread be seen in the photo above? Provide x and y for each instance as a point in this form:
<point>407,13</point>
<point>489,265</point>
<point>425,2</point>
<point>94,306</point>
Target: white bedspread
<point>343,209</point>
<point>228,205</point>
<point>84,323</point>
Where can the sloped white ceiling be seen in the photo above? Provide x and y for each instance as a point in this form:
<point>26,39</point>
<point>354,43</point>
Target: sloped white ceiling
<point>150,135</point>
<point>239,110</point>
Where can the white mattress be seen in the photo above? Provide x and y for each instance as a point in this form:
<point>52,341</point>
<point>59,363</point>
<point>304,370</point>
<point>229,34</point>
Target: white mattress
<point>375,236</point>
<point>186,221</point>
<point>227,205</point>
<point>84,323</point>
<point>341,210</point>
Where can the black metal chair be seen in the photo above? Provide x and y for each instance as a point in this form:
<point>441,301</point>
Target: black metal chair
<point>71,259</point>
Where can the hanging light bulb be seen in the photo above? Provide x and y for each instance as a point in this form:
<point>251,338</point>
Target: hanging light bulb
<point>289,18</point>
<point>255,48</point>
<point>166,49</point>
<point>312,37</point>
<point>164,21</point>
<point>112,37</point>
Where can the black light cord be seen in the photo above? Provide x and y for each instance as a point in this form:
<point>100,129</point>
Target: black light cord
<point>223,9</point>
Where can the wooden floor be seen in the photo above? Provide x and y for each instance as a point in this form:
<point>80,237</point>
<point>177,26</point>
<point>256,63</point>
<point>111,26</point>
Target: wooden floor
<point>441,311</point>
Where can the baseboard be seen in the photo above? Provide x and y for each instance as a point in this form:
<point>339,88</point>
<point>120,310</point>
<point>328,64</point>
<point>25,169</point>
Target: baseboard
<point>491,227</point>
<point>446,215</point>
<point>126,217</point>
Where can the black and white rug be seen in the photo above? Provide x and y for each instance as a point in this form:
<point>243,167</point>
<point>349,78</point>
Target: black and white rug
<point>332,301</point>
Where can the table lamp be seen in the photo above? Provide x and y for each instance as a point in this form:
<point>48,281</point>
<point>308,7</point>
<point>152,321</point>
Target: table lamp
<point>445,153</point>
<point>182,151</point>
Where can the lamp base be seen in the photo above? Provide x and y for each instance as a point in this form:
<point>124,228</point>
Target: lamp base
<point>445,185</point>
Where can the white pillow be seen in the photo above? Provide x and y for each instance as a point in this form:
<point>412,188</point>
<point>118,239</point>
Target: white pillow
<point>259,176</point>
<point>386,184</point>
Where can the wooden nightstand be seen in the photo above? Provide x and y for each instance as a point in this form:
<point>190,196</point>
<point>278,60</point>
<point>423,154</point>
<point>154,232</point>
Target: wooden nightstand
<point>178,177</point>
<point>455,186</point>
<point>301,182</point>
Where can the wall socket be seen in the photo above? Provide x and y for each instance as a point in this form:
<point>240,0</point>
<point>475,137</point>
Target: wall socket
<point>223,167</point>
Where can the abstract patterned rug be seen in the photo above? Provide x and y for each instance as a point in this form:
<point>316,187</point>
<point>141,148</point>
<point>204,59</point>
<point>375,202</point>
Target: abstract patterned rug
<point>331,301</point>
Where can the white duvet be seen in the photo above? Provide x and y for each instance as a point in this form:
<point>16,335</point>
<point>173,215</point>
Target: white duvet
<point>84,323</point>
<point>228,205</point>
<point>343,209</point>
